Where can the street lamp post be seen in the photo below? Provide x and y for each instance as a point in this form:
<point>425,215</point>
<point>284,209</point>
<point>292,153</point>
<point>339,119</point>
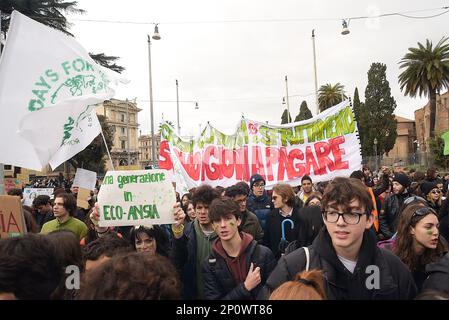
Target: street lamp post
<point>286,97</point>
<point>375,153</point>
<point>156,36</point>
<point>177,108</point>
<point>314,70</point>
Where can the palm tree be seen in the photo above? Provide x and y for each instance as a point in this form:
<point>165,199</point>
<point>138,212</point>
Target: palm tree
<point>426,72</point>
<point>329,95</point>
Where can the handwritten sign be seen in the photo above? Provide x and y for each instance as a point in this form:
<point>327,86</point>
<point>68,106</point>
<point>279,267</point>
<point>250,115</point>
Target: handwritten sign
<point>29,194</point>
<point>12,222</point>
<point>137,197</point>
<point>85,179</point>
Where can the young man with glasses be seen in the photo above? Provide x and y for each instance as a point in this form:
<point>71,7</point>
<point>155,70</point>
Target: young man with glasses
<point>249,222</point>
<point>345,250</point>
<point>259,201</point>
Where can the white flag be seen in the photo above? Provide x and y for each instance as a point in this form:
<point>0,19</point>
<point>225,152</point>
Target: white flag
<point>48,86</point>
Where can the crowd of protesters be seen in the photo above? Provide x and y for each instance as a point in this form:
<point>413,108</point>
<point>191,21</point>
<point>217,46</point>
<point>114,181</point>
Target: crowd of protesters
<point>313,241</point>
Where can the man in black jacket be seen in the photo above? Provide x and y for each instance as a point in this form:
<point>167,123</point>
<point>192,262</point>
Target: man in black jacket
<point>237,267</point>
<point>346,251</point>
<point>192,242</point>
<point>389,215</point>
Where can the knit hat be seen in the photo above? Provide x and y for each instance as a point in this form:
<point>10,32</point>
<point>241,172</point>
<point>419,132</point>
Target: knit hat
<point>427,186</point>
<point>254,178</point>
<point>403,179</point>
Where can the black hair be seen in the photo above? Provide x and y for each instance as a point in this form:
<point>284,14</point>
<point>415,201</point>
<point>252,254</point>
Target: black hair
<point>244,185</point>
<point>69,202</point>
<point>204,194</point>
<point>29,267</point>
<point>306,177</point>
<point>15,192</point>
<point>41,200</point>
<point>108,245</point>
<point>236,190</point>
<point>154,232</point>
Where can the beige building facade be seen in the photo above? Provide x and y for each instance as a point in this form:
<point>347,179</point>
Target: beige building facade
<point>145,149</point>
<point>406,139</point>
<point>422,120</point>
<point>122,115</point>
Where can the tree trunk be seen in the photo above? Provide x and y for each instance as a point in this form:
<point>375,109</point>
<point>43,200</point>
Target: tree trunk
<point>433,111</point>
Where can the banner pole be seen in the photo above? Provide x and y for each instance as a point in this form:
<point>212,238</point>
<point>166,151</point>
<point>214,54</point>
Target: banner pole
<point>106,146</point>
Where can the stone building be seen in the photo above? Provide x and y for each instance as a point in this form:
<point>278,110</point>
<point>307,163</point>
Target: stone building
<point>122,116</point>
<point>422,120</point>
<point>145,149</point>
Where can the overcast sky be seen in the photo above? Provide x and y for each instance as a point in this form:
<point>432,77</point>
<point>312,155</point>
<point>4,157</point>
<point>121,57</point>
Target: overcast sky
<point>235,68</point>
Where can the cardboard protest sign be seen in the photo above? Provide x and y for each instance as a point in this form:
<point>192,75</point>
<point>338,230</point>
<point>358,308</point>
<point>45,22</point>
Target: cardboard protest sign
<point>141,197</point>
<point>12,221</point>
<point>82,198</point>
<point>85,179</point>
<point>323,147</point>
<point>29,194</point>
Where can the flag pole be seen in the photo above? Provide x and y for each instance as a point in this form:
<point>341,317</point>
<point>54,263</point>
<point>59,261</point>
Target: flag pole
<point>106,146</point>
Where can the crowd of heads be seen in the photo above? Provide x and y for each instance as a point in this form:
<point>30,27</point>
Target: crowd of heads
<point>136,262</point>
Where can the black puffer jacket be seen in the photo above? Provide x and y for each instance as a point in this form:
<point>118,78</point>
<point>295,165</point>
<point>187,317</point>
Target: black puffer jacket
<point>395,281</point>
<point>260,206</point>
<point>438,275</point>
<point>388,220</point>
<point>219,282</point>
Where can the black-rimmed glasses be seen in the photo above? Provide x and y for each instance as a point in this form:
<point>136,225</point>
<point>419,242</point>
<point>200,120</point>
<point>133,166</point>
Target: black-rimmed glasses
<point>348,217</point>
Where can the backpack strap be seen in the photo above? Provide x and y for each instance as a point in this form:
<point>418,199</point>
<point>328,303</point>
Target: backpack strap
<point>306,251</point>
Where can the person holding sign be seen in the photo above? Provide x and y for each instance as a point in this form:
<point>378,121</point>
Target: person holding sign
<point>150,239</point>
<point>192,241</point>
<point>238,266</point>
<point>64,209</point>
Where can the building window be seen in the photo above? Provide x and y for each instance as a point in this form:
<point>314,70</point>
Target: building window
<point>7,167</point>
<point>123,130</point>
<point>123,144</point>
<point>122,117</point>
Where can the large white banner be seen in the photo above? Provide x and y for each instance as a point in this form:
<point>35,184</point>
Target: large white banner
<point>48,86</point>
<point>324,147</point>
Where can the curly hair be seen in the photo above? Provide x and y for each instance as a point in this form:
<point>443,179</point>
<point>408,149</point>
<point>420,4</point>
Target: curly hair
<point>307,285</point>
<point>134,276</point>
<point>30,267</point>
<point>204,194</point>
<point>108,245</point>
<point>404,241</point>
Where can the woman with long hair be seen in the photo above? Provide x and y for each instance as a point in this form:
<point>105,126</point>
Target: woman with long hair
<point>152,239</point>
<point>418,240</point>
